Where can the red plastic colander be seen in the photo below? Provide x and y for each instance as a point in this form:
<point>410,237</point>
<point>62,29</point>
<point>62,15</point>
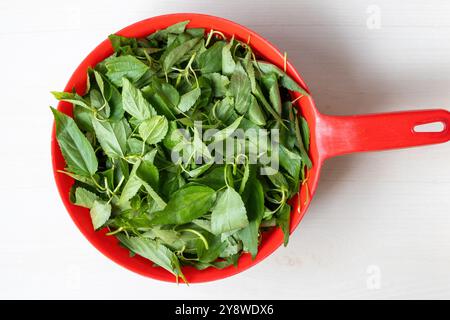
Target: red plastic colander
<point>330,136</point>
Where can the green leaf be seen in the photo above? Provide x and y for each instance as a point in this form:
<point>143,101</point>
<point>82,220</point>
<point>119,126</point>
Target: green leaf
<point>290,161</point>
<point>248,66</point>
<point>107,177</point>
<point>254,203</point>
<point>122,45</point>
<point>199,170</point>
<point>171,94</point>
<point>76,149</point>
<point>228,63</point>
<point>240,89</point>
<point>83,118</point>
<point>303,153</point>
<point>136,146</point>
<point>211,59</point>
<point>132,186</point>
<point>228,213</point>
<point>173,55</point>
<point>113,97</point>
<point>137,221</point>
<point>203,223</point>
<point>176,28</point>
<point>279,181</point>
<point>148,173</point>
<point>100,213</point>
<point>287,133</point>
<point>160,97</point>
<point>305,132</point>
<point>172,182</point>
<point>206,93</point>
<point>160,203</point>
<point>186,205</point>
<point>214,178</point>
<point>224,110</point>
<point>260,96</point>
<point>150,156</point>
<point>154,129</point>
<point>84,198</point>
<point>169,237</point>
<point>219,82</point>
<point>232,248</point>
<point>255,113</point>
<point>215,249</point>
<point>134,102</point>
<point>188,99</point>
<point>271,84</point>
<point>174,136</point>
<point>86,180</point>
<point>155,252</point>
<point>228,131</point>
<point>283,221</point>
<point>285,81</point>
<point>98,103</point>
<point>112,137</point>
<point>72,98</point>
<point>124,67</point>
<point>196,32</point>
<point>199,147</point>
<point>98,98</point>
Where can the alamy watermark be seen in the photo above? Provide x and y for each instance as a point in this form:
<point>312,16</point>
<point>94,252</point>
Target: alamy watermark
<point>373,21</point>
<point>373,280</point>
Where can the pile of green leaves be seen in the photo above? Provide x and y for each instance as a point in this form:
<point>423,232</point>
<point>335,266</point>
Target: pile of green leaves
<point>117,147</point>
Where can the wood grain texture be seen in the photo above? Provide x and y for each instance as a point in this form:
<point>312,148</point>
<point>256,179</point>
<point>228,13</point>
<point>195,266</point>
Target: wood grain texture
<point>379,226</point>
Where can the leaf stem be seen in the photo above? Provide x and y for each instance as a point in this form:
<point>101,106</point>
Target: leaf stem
<point>147,56</point>
<point>118,185</point>
<point>225,175</point>
<point>211,33</point>
<point>115,231</point>
<point>198,234</point>
<point>96,184</point>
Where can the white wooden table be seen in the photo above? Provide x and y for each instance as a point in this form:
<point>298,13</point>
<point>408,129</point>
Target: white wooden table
<point>379,226</point>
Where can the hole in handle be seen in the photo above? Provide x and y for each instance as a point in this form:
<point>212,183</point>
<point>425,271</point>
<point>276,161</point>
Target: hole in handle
<point>437,126</point>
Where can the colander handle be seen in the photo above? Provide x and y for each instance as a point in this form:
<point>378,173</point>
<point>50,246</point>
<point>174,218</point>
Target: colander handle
<point>337,135</point>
